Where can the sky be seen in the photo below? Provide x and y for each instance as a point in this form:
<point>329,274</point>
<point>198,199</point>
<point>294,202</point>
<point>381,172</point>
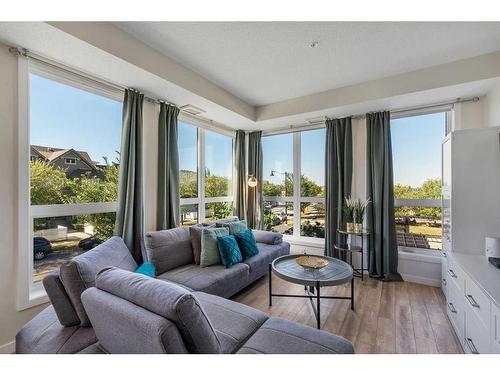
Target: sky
<point>416,146</point>
<point>62,116</point>
<point>218,151</point>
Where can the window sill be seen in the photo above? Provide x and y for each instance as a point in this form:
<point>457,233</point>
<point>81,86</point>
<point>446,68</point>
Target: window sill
<point>305,241</point>
<point>423,255</point>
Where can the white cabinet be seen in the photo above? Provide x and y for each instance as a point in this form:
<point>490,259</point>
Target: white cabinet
<point>473,313</point>
<point>495,329</point>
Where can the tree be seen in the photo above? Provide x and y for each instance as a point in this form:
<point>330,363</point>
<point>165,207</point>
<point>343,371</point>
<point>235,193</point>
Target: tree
<point>188,184</point>
<point>430,189</point>
<point>48,184</point>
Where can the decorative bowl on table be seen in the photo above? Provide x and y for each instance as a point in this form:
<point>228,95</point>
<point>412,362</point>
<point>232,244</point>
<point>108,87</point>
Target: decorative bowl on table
<point>311,262</point>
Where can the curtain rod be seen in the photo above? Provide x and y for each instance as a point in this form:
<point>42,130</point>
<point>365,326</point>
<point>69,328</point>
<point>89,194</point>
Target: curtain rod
<point>321,123</point>
<point>26,53</point>
<point>419,108</point>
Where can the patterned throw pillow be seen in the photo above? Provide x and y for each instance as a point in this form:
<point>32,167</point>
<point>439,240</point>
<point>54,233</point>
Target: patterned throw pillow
<point>229,250</point>
<point>209,249</point>
<point>247,244</point>
<point>234,226</point>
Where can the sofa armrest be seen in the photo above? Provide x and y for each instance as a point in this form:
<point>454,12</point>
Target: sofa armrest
<point>270,238</point>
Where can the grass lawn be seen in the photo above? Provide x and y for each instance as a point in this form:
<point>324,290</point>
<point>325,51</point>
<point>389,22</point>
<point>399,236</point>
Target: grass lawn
<point>425,230</point>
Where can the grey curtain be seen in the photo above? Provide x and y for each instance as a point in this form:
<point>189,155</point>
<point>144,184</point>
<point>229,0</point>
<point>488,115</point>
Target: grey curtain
<point>130,213</point>
<point>167,211</point>
<point>241,176</point>
<point>338,180</point>
<point>383,249</point>
<point>255,206</point>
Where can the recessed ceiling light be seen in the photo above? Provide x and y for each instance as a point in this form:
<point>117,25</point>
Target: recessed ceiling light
<point>313,44</point>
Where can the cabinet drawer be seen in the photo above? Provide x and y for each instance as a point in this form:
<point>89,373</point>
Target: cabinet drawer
<point>444,273</point>
<point>477,336</point>
<point>456,275</point>
<point>495,329</point>
<point>478,302</point>
<point>455,310</point>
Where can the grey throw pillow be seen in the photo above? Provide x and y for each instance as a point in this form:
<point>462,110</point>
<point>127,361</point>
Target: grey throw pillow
<point>209,249</point>
<point>195,232</point>
<point>234,226</point>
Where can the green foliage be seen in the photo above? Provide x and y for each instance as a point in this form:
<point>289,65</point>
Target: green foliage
<point>430,189</point>
<point>309,229</point>
<point>48,183</point>
<point>220,210</point>
<point>188,184</point>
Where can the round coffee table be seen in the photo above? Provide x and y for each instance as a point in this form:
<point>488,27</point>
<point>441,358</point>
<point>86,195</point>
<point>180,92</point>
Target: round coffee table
<point>336,272</point>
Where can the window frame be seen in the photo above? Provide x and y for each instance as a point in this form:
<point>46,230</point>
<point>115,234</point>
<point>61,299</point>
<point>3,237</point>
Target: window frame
<point>297,199</point>
<point>437,203</point>
<point>201,128</point>
<point>29,292</point>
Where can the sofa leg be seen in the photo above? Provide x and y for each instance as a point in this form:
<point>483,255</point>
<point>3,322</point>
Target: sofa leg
<point>270,285</point>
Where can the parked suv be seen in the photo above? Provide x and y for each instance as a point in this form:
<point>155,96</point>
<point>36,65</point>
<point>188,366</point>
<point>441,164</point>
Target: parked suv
<point>41,247</point>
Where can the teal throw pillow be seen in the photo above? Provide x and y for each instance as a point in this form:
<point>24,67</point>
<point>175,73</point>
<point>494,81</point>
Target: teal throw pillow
<point>147,269</point>
<point>247,244</point>
<point>229,250</point>
<point>209,251</point>
<point>234,226</point>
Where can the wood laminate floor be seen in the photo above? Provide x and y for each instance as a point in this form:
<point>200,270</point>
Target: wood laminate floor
<point>394,317</point>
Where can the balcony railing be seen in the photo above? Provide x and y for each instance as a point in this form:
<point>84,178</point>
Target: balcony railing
<point>418,223</point>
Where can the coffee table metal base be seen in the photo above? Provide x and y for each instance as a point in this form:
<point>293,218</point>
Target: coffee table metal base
<point>313,293</point>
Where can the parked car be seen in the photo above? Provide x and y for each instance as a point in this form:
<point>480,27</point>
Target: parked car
<point>89,243</point>
<point>41,247</point>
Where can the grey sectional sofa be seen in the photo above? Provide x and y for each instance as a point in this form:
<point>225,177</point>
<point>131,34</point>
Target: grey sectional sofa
<point>70,324</point>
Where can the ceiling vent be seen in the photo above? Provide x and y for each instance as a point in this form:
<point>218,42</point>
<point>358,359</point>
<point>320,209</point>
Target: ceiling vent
<point>192,110</point>
<point>316,120</point>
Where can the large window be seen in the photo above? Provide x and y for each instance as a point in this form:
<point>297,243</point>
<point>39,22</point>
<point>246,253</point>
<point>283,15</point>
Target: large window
<point>416,146</point>
<point>73,132</point>
<point>293,187</point>
<point>205,196</point>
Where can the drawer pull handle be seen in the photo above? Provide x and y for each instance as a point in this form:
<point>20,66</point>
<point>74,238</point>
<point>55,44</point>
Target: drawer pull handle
<point>444,254</point>
<point>452,308</point>
<point>472,301</point>
<point>444,281</point>
<point>452,274</point>
<point>471,346</point>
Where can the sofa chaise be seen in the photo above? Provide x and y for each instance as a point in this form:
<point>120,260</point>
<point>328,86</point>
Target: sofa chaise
<point>65,326</point>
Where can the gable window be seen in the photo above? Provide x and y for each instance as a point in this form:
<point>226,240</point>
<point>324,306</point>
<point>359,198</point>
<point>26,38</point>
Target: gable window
<point>416,148</point>
<point>65,208</point>
<point>206,173</point>
<point>294,194</point>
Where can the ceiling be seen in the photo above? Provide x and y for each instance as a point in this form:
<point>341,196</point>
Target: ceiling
<point>268,62</point>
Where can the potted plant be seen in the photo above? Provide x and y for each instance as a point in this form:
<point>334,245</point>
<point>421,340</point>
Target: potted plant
<point>348,210</point>
<point>359,214</point>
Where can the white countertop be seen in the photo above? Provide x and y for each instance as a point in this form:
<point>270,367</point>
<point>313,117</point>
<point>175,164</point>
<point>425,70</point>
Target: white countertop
<point>482,272</point>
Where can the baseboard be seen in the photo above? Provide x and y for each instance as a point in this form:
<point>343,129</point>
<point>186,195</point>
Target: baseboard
<point>9,348</point>
<point>421,280</point>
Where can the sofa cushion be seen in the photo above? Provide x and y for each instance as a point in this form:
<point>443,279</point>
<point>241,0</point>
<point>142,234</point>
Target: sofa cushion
<point>216,280</point>
<point>233,322</point>
<point>247,244</point>
<point>195,232</point>
<point>167,300</point>
<point>168,249</point>
<point>45,335</point>
<point>280,336</point>
<point>132,329</point>
<point>229,250</point>
<point>259,264</point>
<point>60,301</point>
<point>80,272</point>
<point>234,226</point>
<point>209,248</point>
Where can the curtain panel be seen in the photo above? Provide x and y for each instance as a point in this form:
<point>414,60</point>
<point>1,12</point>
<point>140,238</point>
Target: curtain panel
<point>255,207</point>
<point>338,180</point>
<point>129,223</point>
<point>240,195</point>
<point>383,249</point>
<point>167,211</point>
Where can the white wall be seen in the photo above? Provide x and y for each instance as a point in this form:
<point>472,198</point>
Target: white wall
<point>469,115</point>
<point>492,106</point>
<point>10,319</point>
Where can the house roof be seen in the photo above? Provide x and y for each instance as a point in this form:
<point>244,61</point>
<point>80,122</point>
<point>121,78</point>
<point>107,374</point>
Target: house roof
<point>52,153</point>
